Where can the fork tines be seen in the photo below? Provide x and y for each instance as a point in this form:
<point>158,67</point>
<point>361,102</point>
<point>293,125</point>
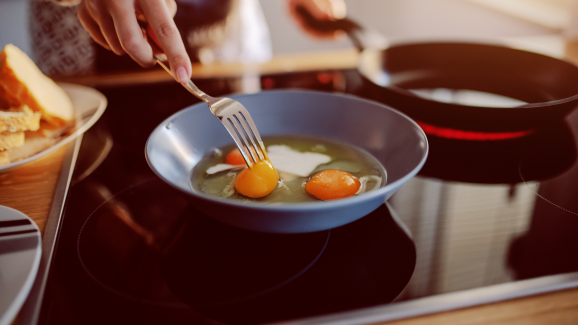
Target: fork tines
<point>241,126</point>
<point>234,117</point>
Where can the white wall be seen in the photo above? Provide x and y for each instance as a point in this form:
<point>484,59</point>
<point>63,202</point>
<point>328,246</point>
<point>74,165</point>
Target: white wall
<point>396,19</point>
<point>14,24</point>
<point>402,20</point>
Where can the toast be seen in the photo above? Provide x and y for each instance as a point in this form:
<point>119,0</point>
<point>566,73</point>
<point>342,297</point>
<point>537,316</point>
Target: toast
<point>4,104</point>
<point>11,139</point>
<point>4,159</point>
<point>20,119</point>
<point>23,83</point>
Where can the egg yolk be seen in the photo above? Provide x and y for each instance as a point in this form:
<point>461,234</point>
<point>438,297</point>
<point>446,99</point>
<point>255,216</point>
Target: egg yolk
<point>332,184</point>
<point>258,181</point>
<point>235,158</point>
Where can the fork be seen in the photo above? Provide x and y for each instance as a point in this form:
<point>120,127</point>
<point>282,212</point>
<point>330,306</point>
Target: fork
<point>234,117</point>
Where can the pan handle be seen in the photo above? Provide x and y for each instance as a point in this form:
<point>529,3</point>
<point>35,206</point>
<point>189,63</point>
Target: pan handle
<point>362,38</point>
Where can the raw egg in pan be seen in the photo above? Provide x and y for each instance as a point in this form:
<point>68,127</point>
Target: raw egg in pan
<point>300,169</point>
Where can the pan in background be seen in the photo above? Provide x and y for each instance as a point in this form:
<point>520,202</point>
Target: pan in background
<point>549,86</point>
<point>402,75</point>
<point>180,142</point>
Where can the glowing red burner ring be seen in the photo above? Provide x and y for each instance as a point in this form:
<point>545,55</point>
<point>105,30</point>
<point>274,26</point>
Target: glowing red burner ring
<point>471,135</point>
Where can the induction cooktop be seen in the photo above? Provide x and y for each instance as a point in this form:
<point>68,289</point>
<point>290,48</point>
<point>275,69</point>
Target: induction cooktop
<point>485,220</point>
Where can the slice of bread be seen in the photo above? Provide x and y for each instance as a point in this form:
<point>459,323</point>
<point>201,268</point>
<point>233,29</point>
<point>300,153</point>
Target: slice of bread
<point>20,119</point>
<point>11,139</point>
<point>4,104</point>
<point>24,84</point>
<point>50,131</point>
<point>4,158</point>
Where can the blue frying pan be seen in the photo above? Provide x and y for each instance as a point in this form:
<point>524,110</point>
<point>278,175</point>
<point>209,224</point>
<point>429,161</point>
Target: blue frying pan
<point>180,142</point>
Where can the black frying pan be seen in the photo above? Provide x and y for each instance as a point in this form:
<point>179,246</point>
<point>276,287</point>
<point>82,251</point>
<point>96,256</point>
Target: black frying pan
<point>548,85</point>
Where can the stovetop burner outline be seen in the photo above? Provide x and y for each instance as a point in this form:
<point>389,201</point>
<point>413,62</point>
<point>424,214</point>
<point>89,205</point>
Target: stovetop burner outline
<point>178,305</point>
<point>532,188</point>
<point>545,199</point>
<point>106,286</point>
<point>271,289</point>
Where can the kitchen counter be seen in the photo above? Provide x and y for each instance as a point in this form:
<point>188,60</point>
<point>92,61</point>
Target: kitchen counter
<point>32,190</point>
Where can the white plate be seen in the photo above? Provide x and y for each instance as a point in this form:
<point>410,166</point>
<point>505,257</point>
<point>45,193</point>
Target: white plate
<point>88,103</point>
<point>20,251</point>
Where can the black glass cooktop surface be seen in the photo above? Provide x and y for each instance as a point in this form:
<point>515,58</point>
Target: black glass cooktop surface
<point>483,211</point>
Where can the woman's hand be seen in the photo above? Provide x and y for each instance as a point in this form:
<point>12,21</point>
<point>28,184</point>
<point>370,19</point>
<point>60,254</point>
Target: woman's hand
<point>321,10</point>
<point>114,25</point>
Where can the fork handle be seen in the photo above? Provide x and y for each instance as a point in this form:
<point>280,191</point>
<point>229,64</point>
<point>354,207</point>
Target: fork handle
<point>161,59</point>
<point>189,85</point>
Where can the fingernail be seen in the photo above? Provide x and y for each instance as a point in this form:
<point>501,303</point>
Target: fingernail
<point>182,75</point>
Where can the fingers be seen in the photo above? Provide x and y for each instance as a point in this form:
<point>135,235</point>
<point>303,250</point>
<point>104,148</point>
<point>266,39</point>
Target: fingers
<point>113,24</point>
<point>129,33</point>
<point>98,11</point>
<point>160,20</point>
<point>338,9</point>
<point>319,9</point>
<point>91,26</point>
<point>172,7</point>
